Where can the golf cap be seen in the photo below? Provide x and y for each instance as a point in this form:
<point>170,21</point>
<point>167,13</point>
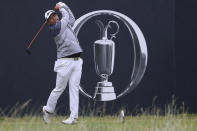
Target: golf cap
<point>48,14</point>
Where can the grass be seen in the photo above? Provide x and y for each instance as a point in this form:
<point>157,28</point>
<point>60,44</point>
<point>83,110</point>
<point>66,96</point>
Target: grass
<point>154,118</point>
<point>182,122</point>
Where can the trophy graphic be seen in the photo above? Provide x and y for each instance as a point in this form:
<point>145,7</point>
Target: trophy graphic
<point>104,53</point>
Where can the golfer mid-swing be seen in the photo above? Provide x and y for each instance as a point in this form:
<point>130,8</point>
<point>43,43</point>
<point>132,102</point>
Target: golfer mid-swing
<point>68,64</point>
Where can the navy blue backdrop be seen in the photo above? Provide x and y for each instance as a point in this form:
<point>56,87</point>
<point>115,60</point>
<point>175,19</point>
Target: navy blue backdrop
<point>24,77</point>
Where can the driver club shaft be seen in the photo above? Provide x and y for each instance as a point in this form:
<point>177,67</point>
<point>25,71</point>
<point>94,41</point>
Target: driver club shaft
<point>36,35</point>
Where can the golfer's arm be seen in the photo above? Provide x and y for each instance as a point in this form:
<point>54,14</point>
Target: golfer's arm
<point>71,16</point>
<point>65,17</point>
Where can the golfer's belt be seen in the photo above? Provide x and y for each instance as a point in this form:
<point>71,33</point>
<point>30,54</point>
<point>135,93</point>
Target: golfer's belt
<point>74,58</point>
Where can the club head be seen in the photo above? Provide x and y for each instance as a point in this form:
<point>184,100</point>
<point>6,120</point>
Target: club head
<point>28,51</point>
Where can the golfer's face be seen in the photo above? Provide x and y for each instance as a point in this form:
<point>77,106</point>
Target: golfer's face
<point>53,19</point>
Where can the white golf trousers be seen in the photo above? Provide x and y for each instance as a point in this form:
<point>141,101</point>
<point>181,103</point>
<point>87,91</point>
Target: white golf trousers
<point>68,70</point>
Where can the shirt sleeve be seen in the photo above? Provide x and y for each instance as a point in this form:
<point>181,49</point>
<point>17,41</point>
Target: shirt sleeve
<point>71,20</point>
<point>65,18</point>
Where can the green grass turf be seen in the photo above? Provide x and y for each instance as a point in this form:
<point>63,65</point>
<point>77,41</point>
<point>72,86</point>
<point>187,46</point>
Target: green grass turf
<point>182,122</point>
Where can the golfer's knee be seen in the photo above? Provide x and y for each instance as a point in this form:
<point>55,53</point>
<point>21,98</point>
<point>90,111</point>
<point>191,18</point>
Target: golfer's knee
<point>58,90</point>
<point>74,86</point>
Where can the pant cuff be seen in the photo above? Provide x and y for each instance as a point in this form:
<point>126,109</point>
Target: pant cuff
<point>49,109</point>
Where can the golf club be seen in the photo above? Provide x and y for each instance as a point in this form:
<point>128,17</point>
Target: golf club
<point>28,48</point>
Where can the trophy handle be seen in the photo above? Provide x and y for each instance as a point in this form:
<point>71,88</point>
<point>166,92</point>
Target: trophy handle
<point>109,26</point>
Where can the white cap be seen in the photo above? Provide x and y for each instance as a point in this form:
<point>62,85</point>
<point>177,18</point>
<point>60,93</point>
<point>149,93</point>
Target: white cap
<point>48,14</point>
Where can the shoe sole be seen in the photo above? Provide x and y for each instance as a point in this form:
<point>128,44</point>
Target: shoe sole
<point>69,123</point>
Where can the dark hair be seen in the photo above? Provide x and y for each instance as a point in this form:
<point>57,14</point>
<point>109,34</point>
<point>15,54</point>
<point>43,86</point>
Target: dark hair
<point>53,14</point>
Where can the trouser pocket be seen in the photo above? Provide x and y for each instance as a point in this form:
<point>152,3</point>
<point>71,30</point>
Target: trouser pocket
<point>61,64</point>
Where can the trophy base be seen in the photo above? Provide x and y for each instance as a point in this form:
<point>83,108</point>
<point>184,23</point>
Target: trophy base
<point>104,92</point>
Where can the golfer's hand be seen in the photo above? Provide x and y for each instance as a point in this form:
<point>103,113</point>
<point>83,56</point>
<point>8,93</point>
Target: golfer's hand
<point>57,7</point>
<point>61,4</point>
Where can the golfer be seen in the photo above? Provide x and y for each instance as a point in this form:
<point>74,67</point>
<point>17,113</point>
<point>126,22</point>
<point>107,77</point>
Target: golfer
<point>68,64</point>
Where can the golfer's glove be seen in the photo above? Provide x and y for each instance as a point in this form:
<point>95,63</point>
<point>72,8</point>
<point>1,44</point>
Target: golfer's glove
<point>61,4</point>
